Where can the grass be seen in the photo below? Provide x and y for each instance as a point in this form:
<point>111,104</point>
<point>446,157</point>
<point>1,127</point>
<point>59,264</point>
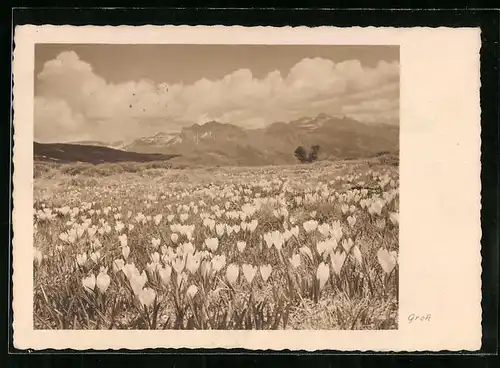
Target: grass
<point>143,246</point>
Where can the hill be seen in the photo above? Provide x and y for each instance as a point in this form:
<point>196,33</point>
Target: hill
<point>66,153</point>
<point>116,145</point>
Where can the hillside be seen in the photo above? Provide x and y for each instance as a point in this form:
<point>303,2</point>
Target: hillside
<point>116,145</point>
<point>66,153</point>
<point>219,143</point>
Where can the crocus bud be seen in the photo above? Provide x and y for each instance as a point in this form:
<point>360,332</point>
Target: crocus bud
<point>103,281</point>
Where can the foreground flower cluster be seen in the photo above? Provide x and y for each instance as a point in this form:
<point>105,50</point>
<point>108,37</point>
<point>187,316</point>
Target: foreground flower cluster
<point>259,248</point>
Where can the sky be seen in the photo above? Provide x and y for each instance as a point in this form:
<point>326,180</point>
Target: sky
<point>111,93</point>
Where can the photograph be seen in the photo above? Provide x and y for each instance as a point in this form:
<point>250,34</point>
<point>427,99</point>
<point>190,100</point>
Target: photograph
<point>216,187</point>
<point>299,189</point>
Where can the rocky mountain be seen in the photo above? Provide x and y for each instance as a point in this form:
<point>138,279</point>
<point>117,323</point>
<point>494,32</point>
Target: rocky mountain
<point>150,144</point>
<point>219,143</point>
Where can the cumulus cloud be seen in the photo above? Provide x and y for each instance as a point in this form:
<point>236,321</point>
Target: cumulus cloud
<point>55,115</point>
<point>72,102</point>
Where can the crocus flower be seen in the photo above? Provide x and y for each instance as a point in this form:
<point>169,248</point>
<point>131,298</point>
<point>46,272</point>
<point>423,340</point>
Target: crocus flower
<point>219,229</point>
<point>193,262</point>
<point>152,267</point>
<point>165,274</point>
<point>324,229</point>
<point>157,219</point>
<point>146,296</point>
<point>394,218</point>
<point>81,259</point>
<point>351,220</point>
<point>249,272</point>
<point>347,244</point>
<point>356,252</point>
<point>336,231</point>
<point>241,246</point>
<point>232,273</point>
<point>123,240</point>
<point>380,223</point>
<point>212,244</point>
<point>268,238</point>
<point>322,274</point>
<point>119,227</point>
<point>252,225</point>
<point>218,262</point>
<point>125,251</point>
<point>137,282</point>
<point>91,231</point>
<point>191,291</point>
<point>265,272</point>
<point>155,242</point>
<point>278,239</point>
<point>187,248</point>
<point>118,264</point>
<point>387,260</point>
<point>206,268</point>
<point>178,264</point>
<point>89,283</point>
<point>129,270</point>
<point>103,280</point>
<point>295,260</point>
<point>376,207</point>
<point>310,225</point>
<point>326,246</point>
<point>337,259</point>
<point>38,257</point>
<point>95,256</point>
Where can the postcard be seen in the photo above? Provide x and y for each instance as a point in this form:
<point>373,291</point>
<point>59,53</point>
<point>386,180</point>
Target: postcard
<point>246,187</point>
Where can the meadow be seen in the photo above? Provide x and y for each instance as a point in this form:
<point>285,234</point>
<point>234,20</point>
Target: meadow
<point>147,246</point>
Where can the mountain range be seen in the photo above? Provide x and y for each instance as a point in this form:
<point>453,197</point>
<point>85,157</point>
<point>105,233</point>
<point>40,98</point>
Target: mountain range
<point>215,143</point>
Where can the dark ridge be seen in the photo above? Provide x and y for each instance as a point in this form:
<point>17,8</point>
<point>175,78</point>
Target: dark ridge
<point>68,153</point>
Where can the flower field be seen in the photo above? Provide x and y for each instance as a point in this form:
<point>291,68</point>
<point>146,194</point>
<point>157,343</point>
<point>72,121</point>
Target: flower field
<point>293,247</point>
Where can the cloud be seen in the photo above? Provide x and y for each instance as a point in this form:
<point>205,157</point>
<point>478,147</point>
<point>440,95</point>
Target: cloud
<point>73,101</point>
<point>53,116</point>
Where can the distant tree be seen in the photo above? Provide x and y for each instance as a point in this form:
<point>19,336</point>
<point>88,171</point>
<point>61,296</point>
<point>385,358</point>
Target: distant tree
<point>301,154</point>
<point>313,153</point>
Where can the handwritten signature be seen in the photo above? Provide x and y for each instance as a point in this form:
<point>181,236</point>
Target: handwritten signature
<point>419,317</point>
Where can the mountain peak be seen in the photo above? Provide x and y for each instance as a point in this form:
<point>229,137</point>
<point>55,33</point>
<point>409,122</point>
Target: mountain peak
<point>212,124</point>
<point>323,116</point>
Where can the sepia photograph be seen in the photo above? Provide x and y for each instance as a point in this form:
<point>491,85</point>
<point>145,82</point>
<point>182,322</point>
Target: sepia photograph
<point>216,187</point>
<point>260,188</point>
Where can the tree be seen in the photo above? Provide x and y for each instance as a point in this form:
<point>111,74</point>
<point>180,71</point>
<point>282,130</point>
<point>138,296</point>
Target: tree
<point>313,154</point>
<point>301,154</point>
<point>304,156</point>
